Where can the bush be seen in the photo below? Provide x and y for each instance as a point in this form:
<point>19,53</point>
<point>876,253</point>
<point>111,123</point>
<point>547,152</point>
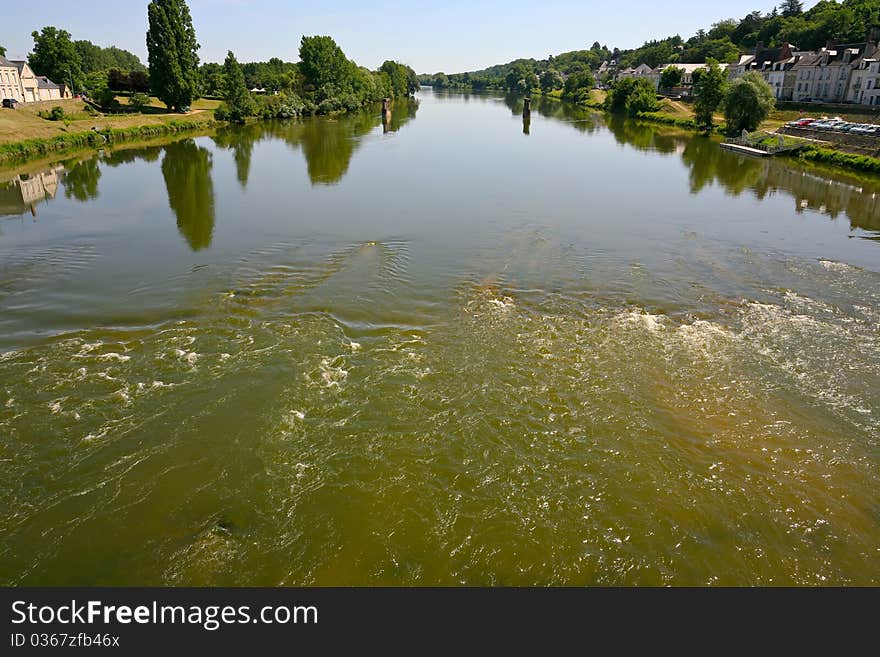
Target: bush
<point>139,101</point>
<point>329,105</point>
<point>222,113</point>
<point>107,99</point>
<point>55,114</point>
<point>291,107</point>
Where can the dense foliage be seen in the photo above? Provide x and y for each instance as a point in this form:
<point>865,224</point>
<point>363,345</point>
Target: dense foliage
<point>95,58</point>
<point>56,57</point>
<point>324,82</point>
<point>577,86</point>
<point>172,48</point>
<point>631,96</point>
<point>710,85</point>
<point>671,77</point>
<point>748,103</point>
<point>84,64</point>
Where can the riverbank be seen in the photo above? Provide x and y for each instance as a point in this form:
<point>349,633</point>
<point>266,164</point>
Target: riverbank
<point>680,115</point>
<point>24,134</point>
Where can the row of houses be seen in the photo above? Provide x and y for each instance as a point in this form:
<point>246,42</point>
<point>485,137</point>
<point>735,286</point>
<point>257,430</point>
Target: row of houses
<point>837,73</point>
<point>19,82</point>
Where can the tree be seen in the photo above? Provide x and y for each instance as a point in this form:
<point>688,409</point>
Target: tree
<point>631,96</point>
<point>118,80</point>
<point>238,99</point>
<point>671,77</point>
<point>577,87</point>
<point>515,80</point>
<point>2,51</point>
<point>173,58</point>
<point>748,103</point>
<point>138,101</point>
<point>56,57</point>
<point>710,84</point>
<point>139,81</point>
<point>551,80</point>
<point>398,77</point>
<point>323,62</point>
<point>790,8</point>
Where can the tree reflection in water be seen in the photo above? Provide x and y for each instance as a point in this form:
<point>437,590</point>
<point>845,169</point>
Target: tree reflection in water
<point>186,168</point>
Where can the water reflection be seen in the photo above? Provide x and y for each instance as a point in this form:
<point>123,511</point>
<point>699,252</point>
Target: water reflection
<point>241,141</point>
<point>329,144</point>
<point>186,168</point>
<point>81,180</point>
<point>24,192</point>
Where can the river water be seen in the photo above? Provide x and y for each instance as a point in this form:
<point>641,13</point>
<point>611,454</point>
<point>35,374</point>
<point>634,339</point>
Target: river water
<point>450,349</point>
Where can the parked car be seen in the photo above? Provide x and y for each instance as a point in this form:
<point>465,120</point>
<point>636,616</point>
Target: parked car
<point>830,124</point>
<point>865,129</point>
<point>9,103</point>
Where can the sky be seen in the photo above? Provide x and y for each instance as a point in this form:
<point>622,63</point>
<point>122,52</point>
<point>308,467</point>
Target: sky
<point>450,36</point>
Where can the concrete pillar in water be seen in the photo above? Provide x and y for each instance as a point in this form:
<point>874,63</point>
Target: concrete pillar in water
<point>527,107</point>
<point>527,124</point>
<point>386,114</point>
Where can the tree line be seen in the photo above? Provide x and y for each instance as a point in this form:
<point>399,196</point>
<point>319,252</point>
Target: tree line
<point>844,22</point>
<point>81,64</point>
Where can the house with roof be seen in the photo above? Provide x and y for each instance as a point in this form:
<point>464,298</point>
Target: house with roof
<point>18,81</point>
<point>775,65</point>
<point>825,75</point>
<point>10,83</point>
<point>864,83</point>
<point>640,71</point>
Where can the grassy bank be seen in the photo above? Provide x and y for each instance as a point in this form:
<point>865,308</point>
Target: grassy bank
<point>835,158</point>
<point>25,134</point>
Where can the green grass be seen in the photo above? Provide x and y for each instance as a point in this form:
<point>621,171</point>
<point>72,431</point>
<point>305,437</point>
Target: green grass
<point>865,163</point>
<point>41,147</point>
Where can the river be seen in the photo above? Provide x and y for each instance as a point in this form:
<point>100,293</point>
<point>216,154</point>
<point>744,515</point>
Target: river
<point>448,349</point>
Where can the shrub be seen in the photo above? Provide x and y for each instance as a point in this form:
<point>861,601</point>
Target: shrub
<point>55,114</point>
<point>107,99</point>
<point>139,101</point>
<point>222,112</point>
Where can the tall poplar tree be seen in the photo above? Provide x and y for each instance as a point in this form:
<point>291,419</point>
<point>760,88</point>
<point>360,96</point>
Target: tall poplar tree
<point>172,48</point>
<point>238,98</point>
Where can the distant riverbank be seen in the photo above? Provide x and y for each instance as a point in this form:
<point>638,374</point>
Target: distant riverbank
<point>680,115</point>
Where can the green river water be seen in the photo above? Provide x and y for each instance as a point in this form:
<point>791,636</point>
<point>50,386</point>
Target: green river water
<point>439,351</point>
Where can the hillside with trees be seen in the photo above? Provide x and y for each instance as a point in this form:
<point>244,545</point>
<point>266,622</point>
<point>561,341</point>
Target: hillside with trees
<point>846,21</point>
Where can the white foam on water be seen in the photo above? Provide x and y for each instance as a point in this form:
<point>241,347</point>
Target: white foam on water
<point>114,356</point>
<point>330,373</point>
<point>653,323</point>
<point>831,265</point>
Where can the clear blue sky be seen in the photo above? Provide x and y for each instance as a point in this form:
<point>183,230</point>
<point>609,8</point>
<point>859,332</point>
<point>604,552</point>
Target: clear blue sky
<point>451,36</point>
